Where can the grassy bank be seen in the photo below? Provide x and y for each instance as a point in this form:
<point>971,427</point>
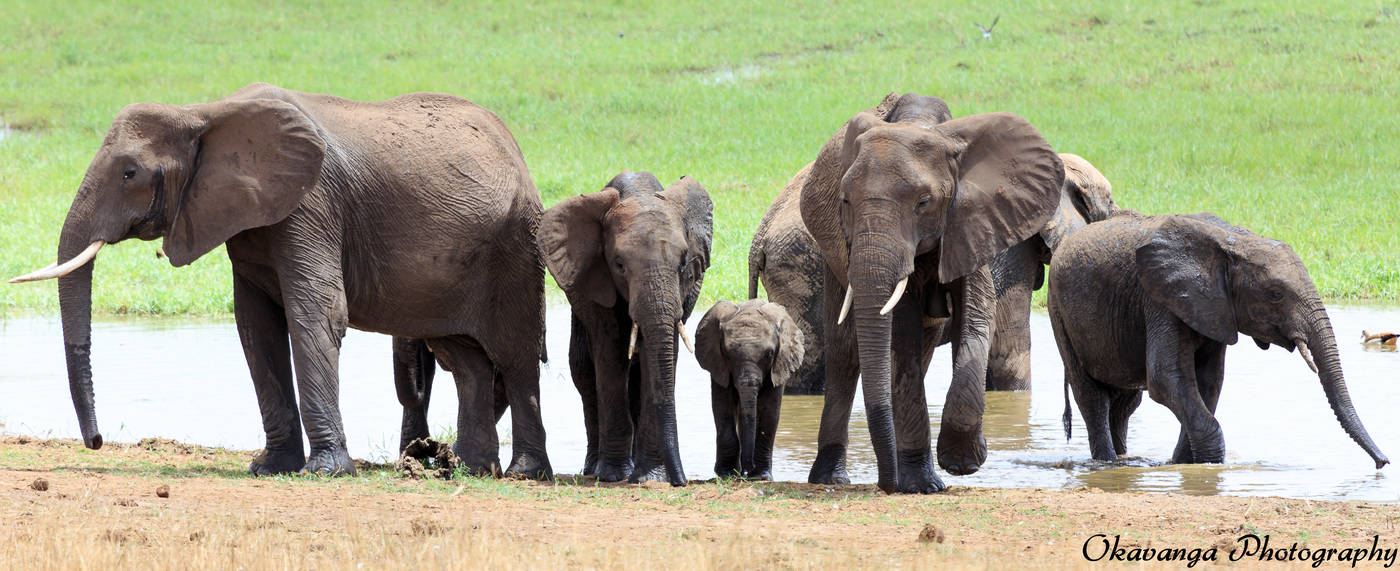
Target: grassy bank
<point>1279,118</point>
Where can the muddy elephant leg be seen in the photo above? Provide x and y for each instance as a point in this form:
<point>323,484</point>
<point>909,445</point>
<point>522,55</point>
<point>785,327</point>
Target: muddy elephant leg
<point>961,446</point>
<point>262,328</point>
<point>912,444</point>
<point>518,383</point>
<point>723,402</point>
<point>414,367</point>
<point>1094,400</point>
<point>1171,380</point>
<point>1120,408</point>
<point>1210,374</point>
<point>1015,273</point>
<point>477,445</point>
<point>585,380</point>
<point>770,405</point>
<point>316,322</point>
<point>842,370</point>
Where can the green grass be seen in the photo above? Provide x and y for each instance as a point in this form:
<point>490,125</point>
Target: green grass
<point>1281,118</point>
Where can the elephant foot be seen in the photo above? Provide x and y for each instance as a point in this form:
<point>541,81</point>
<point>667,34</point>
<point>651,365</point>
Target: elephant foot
<point>271,462</point>
<point>590,463</point>
<point>961,453</point>
<point>916,473</point>
<point>759,474</point>
<point>477,464</point>
<point>727,470</point>
<point>333,461</point>
<point>414,426</point>
<point>830,466</point>
<point>655,473</point>
<point>530,467</point>
<point>1189,456</point>
<point>614,470</point>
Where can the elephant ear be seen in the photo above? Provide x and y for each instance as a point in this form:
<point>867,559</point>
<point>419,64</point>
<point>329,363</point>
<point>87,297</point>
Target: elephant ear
<point>1008,184</point>
<point>790,344</point>
<point>699,233</point>
<point>709,342</point>
<point>571,243</point>
<point>1183,267</point>
<point>257,158</point>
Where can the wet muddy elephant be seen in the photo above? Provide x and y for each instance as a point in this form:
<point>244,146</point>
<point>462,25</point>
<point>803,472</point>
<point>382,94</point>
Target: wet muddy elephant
<point>908,216</point>
<point>1085,197</point>
<point>785,257</point>
<point>414,216</point>
<point>751,350</point>
<point>631,259</point>
<point>1152,302</point>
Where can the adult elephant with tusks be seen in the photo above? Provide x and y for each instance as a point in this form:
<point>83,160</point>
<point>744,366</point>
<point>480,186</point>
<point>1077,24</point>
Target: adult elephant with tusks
<point>414,216</point>
<point>631,258</point>
<point>908,215</point>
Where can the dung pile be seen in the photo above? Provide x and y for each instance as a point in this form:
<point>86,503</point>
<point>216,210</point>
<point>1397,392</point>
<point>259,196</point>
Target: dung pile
<point>427,458</point>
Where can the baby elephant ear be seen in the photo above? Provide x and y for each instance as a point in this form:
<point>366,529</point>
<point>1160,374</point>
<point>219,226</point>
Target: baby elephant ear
<point>571,243</point>
<point>709,342</point>
<point>1183,267</point>
<point>790,344</point>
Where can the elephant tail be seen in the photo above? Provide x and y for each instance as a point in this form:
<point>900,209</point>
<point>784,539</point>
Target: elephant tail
<point>755,267</point>
<point>1067,418</point>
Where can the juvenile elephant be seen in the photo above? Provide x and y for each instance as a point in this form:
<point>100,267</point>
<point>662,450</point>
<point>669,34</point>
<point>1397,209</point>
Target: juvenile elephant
<point>751,351</point>
<point>908,215</point>
<point>1085,197</point>
<point>1152,302</point>
<point>789,262</point>
<point>413,216</point>
<point>631,258</point>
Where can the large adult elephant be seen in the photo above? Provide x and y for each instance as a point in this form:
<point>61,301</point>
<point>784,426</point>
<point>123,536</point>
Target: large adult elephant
<point>786,258</point>
<point>631,258</point>
<point>413,216</point>
<point>1085,197</point>
<point>908,215</point>
<point>1152,302</point>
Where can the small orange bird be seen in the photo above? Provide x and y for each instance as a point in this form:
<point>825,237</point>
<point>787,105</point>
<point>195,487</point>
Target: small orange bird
<point>1386,338</point>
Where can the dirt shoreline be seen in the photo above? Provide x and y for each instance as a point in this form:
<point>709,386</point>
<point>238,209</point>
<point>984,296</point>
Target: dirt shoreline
<point>99,509</point>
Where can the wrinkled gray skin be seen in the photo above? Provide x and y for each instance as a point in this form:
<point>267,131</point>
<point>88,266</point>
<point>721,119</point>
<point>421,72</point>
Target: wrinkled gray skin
<point>751,350</point>
<point>930,202</point>
<point>786,258</point>
<point>629,254</point>
<point>413,216</point>
<point>1085,197</point>
<point>1152,302</point>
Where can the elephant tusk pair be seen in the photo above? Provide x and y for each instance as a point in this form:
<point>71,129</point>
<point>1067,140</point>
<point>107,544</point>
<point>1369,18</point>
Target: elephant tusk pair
<point>889,305</point>
<point>57,271</point>
<point>680,327</point>
<point>1307,355</point>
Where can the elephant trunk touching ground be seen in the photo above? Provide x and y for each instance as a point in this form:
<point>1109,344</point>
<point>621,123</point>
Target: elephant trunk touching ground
<point>879,266</point>
<point>1321,345</point>
<point>657,315</point>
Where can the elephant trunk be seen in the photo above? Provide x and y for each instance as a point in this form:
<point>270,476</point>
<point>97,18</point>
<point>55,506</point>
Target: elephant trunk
<point>75,306</point>
<point>1321,344</point>
<point>659,319</point>
<point>749,379</point>
<point>877,266</point>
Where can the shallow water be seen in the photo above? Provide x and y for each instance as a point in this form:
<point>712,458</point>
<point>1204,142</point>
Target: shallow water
<point>186,379</point>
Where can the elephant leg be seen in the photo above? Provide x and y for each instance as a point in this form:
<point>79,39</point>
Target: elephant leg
<point>1094,400</point>
<point>914,474</point>
<point>414,368</point>
<point>262,329</point>
<point>608,349</point>
<point>723,402</point>
<point>1171,380</point>
<point>316,319</point>
<point>585,380</point>
<point>842,370</point>
<point>1210,375</point>
<point>770,404</point>
<point>517,382</point>
<point>477,445</point>
<point>1121,406</point>
<point>961,446</point>
<point>1015,273</point>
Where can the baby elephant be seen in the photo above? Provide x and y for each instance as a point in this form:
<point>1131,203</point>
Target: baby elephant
<point>750,350</point>
<point>1152,302</point>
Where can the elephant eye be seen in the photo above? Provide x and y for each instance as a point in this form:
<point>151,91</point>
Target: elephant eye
<point>1275,295</point>
<point>128,173</point>
<point>618,264</point>
<point>923,203</point>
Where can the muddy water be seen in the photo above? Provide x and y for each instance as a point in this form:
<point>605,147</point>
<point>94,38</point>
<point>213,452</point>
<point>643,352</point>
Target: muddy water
<point>187,380</point>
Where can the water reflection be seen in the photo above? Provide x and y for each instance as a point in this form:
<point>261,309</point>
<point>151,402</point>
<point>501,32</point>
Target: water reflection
<point>186,379</point>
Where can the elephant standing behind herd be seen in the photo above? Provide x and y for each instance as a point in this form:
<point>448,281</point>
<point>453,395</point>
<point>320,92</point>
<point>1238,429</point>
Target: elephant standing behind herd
<point>417,217</point>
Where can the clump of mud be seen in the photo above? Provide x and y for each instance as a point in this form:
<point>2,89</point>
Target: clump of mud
<point>427,458</point>
<point>39,485</point>
<point>931,534</point>
<point>169,446</point>
<point>163,491</point>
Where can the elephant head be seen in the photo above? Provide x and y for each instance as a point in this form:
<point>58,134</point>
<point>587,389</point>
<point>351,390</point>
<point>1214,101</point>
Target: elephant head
<point>194,175</point>
<point>1086,197</point>
<point>1222,280</point>
<point>950,195</point>
<point>648,247</point>
<point>744,346</point>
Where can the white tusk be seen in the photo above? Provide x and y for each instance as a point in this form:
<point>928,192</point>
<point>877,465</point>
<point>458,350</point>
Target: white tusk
<point>1307,355</point>
<point>58,271</point>
<point>632,345</point>
<point>845,306</point>
<point>894,297</point>
<point>680,326</point>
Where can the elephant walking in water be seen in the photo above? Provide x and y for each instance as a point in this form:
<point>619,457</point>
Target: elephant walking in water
<point>413,217</point>
<point>1152,302</point>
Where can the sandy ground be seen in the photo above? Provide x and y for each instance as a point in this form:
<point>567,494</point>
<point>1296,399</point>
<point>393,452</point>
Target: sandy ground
<point>67,507</point>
